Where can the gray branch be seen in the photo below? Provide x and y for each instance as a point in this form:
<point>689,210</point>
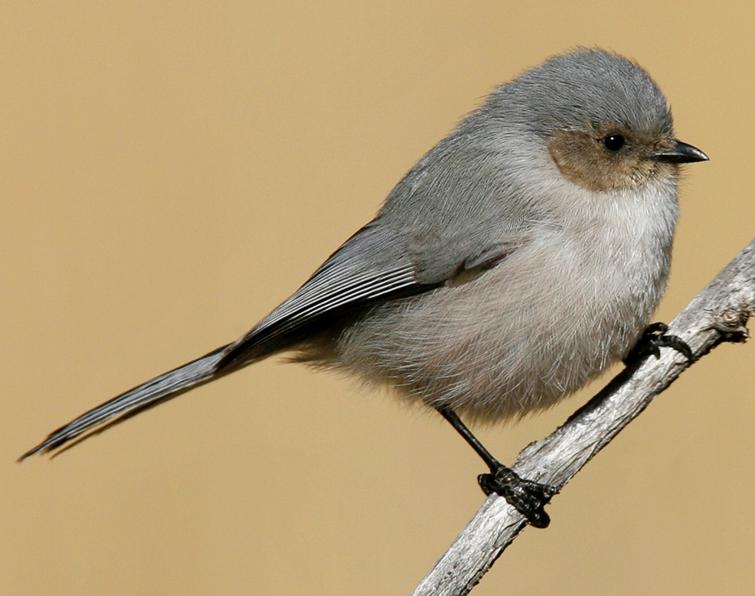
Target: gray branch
<point>717,314</point>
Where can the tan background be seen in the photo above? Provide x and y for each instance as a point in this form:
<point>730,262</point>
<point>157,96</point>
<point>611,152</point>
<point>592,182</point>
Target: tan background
<point>171,170</point>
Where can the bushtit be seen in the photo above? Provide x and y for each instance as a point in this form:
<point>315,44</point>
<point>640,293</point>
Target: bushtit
<point>518,258</point>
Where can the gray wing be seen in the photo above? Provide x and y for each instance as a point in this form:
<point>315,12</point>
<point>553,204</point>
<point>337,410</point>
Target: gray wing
<point>373,263</point>
<point>378,262</point>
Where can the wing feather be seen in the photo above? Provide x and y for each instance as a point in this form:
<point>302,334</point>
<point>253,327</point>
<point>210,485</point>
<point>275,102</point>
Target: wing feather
<point>370,265</point>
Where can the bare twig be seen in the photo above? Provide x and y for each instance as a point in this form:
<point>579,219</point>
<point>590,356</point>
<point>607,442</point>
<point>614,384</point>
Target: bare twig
<point>718,313</point>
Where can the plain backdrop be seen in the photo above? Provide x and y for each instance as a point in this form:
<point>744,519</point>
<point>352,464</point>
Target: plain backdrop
<point>170,171</point>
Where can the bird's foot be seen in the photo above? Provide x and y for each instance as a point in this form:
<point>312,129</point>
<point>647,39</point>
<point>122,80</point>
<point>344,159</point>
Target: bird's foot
<point>528,497</point>
<point>652,340</point>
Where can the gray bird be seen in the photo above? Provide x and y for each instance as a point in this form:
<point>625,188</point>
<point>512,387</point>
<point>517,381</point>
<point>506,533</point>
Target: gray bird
<point>520,257</point>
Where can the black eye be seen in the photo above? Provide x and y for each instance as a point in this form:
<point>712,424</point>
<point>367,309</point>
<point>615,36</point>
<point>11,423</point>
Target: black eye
<point>614,142</point>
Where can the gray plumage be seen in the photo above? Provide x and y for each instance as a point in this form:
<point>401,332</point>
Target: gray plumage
<point>496,278</point>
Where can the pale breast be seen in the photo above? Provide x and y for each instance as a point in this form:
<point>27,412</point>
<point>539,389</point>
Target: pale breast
<point>539,325</point>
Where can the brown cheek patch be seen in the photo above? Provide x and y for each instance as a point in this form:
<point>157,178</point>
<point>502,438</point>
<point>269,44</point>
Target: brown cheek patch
<point>584,161</point>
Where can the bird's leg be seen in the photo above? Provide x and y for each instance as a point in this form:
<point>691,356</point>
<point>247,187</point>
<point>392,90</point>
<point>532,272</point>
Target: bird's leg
<point>528,497</point>
<point>652,340</point>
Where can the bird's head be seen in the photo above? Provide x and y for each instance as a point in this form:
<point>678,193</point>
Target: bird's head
<point>604,121</point>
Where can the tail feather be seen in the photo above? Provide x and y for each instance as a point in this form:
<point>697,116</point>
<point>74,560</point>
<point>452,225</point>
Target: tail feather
<point>154,391</point>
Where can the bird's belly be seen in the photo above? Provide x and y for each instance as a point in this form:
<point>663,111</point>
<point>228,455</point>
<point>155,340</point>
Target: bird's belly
<point>517,338</point>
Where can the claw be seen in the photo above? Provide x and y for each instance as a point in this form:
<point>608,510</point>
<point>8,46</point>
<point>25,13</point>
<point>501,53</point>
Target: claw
<point>678,344</point>
<point>527,496</point>
<point>652,340</point>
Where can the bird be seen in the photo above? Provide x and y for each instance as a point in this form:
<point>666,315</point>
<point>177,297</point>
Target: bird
<point>520,257</point>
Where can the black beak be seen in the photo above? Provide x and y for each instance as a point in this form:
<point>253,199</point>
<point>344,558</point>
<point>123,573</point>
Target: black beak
<point>680,153</point>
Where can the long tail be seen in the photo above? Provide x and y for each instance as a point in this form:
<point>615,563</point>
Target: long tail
<point>162,388</point>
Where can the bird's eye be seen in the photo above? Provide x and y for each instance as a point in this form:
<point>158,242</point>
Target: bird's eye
<point>614,142</point>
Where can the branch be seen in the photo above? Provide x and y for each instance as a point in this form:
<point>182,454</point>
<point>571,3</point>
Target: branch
<point>717,314</point>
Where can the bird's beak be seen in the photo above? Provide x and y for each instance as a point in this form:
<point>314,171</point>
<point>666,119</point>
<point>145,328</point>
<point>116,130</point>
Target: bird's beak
<point>680,153</point>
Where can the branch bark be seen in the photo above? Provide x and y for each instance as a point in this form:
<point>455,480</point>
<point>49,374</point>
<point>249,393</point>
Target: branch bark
<point>717,314</point>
